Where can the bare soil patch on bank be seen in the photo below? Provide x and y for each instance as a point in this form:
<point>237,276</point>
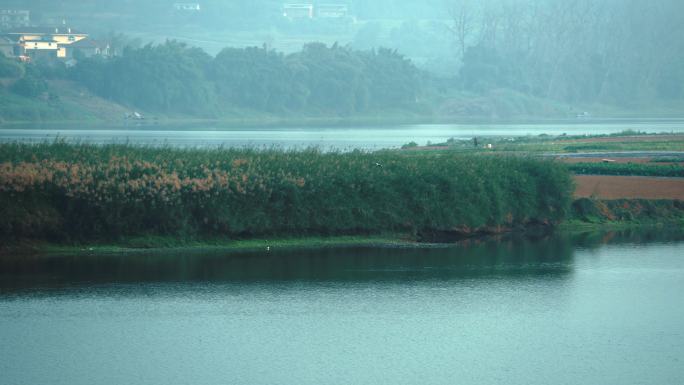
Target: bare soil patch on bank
<point>617,187</point>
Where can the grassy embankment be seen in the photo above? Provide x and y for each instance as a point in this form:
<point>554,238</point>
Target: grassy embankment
<point>105,194</point>
<point>116,197</point>
<point>68,101</point>
<point>593,212</point>
<point>565,144</point>
<point>16,108</point>
<point>600,214</point>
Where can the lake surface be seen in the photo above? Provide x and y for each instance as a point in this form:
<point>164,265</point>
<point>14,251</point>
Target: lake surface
<point>333,137</point>
<point>581,309</point>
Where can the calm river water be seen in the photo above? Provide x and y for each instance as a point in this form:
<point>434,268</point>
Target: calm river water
<point>333,137</point>
<point>582,309</point>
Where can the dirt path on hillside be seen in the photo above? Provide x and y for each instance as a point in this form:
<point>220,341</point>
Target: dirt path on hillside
<point>615,187</point>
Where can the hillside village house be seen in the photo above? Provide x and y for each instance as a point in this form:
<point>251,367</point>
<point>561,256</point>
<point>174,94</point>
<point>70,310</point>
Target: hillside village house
<point>332,11</point>
<point>298,11</point>
<point>87,48</point>
<point>59,42</point>
<point>310,11</point>
<point>187,7</point>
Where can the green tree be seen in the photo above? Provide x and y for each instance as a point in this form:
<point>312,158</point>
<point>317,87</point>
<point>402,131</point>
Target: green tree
<point>335,78</point>
<point>393,81</point>
<point>253,77</point>
<point>317,80</point>
<point>169,77</point>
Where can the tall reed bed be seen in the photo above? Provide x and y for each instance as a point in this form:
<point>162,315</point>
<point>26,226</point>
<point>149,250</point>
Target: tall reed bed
<point>61,191</point>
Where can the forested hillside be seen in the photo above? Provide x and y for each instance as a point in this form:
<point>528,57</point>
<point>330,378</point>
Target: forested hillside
<point>620,52</point>
<point>460,58</point>
<point>173,77</point>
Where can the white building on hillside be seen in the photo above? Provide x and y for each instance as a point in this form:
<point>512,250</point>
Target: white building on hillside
<point>298,11</point>
<point>187,7</point>
<point>332,10</point>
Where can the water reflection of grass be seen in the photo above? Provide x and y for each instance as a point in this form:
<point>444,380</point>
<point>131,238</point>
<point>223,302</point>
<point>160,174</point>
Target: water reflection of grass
<point>594,238</point>
<point>508,256</point>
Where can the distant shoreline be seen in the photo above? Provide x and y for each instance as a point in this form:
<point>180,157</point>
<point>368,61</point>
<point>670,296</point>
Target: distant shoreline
<point>342,121</point>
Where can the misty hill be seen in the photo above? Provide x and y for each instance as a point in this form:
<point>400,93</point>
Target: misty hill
<point>497,58</point>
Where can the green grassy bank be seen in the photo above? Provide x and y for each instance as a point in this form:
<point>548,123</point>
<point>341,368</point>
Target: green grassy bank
<point>589,217</point>
<point>622,141</point>
<point>586,212</point>
<point>61,192</point>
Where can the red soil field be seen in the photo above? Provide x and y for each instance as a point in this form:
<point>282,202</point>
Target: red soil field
<point>616,187</point>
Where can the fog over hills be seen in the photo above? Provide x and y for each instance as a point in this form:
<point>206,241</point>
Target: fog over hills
<point>495,58</point>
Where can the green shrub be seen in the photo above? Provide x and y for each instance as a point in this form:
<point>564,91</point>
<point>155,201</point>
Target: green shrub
<point>409,145</point>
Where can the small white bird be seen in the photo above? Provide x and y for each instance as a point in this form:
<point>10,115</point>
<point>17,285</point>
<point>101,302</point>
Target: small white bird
<point>268,248</point>
<point>377,164</point>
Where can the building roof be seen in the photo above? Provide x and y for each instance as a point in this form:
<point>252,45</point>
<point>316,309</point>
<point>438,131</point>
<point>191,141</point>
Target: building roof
<point>44,31</point>
<point>84,43</point>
